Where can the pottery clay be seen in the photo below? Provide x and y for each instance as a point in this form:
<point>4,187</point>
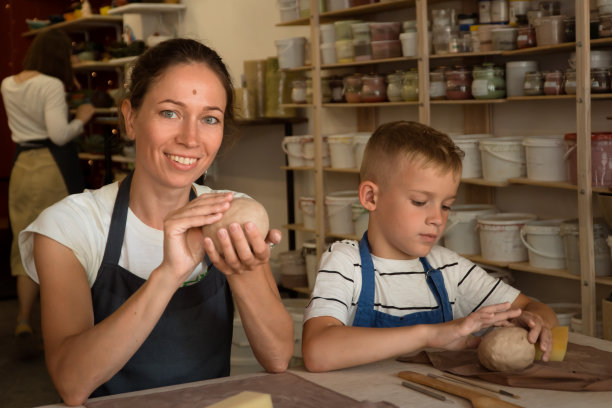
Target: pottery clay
<point>506,349</point>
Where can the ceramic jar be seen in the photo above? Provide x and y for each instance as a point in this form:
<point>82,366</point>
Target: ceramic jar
<point>600,80</point>
<point>298,91</point>
<point>569,83</point>
<point>352,88</point>
<point>553,82</point>
<point>437,85</point>
<point>534,83</point>
<point>374,88</point>
<point>410,86</point>
<point>489,82</point>
<point>394,86</point>
<point>458,83</point>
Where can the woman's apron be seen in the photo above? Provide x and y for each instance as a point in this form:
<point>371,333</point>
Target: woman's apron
<point>192,339</point>
<point>366,316</point>
<point>66,157</point>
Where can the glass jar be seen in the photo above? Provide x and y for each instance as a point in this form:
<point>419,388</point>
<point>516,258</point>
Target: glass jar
<point>569,83</point>
<point>374,88</point>
<point>352,88</point>
<point>534,83</point>
<point>326,93</point>
<point>410,86</point>
<point>394,86</point>
<point>336,85</point>
<point>526,37</point>
<point>489,82</point>
<point>298,91</point>
<point>553,82</point>
<point>600,80</point>
<point>437,86</point>
<point>458,83</point>
<point>308,90</point>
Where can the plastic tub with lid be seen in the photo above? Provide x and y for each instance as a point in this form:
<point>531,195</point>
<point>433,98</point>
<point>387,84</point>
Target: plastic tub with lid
<point>385,31</point>
<point>550,30</point>
<point>386,49</point>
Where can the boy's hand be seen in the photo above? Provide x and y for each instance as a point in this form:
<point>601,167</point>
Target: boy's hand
<point>537,330</point>
<point>457,334</point>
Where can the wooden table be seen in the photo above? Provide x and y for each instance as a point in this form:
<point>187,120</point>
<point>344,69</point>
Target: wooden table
<point>379,381</point>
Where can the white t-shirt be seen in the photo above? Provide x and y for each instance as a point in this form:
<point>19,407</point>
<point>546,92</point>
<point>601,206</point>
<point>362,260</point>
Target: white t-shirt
<point>400,286</point>
<point>37,110</point>
<point>81,223</point>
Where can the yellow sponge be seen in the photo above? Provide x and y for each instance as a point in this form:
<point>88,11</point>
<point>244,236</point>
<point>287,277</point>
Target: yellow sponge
<point>559,335</point>
<point>246,399</point>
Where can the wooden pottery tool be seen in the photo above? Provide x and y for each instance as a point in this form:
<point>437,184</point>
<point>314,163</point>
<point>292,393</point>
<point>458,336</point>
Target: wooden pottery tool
<point>478,399</point>
<point>425,391</point>
<point>479,385</point>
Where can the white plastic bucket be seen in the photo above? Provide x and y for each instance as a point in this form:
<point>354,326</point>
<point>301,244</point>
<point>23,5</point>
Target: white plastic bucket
<point>341,151</point>
<point>340,212</point>
<point>565,311</point>
<point>500,239</point>
<point>291,52</point>
<point>294,148</point>
<point>545,158</point>
<point>472,163</point>
<point>360,140</point>
<point>570,235</point>
<point>502,158</point>
<point>293,269</point>
<point>328,54</point>
<point>544,244</point>
<point>361,217</point>
<point>307,206</point>
<point>461,234</point>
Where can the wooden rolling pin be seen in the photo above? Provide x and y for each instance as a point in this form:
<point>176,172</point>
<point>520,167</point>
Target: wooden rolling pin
<point>477,399</point>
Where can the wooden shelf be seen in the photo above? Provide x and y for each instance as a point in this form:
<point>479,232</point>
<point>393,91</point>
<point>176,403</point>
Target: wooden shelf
<point>337,170</point>
<point>526,181</point>
<point>117,158</point>
<point>108,65</point>
<point>300,168</point>
<point>80,24</point>
<point>147,8</point>
<point>342,236</point>
<point>483,182</point>
<point>526,267</point>
<point>465,55</point>
<point>466,101</point>
<point>270,121</point>
<point>369,105</point>
<point>298,227</point>
<point>297,105</point>
<point>556,97</point>
<point>368,62</point>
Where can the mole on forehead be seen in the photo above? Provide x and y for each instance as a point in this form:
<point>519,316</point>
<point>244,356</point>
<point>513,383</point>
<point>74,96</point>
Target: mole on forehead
<point>194,92</point>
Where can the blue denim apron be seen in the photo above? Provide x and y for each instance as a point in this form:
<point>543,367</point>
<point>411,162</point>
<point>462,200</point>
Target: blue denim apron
<point>366,316</point>
<point>192,339</point>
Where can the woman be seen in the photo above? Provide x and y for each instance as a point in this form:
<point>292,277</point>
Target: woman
<point>132,295</point>
<point>46,166</point>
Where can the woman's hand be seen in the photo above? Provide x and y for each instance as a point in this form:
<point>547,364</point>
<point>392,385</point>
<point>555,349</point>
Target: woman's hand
<point>244,249</point>
<point>183,238</point>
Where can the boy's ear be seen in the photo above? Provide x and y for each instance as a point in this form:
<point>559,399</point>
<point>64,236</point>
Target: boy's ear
<point>368,195</point>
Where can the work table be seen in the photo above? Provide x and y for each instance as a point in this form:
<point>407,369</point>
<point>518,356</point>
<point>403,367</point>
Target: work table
<point>379,382</point>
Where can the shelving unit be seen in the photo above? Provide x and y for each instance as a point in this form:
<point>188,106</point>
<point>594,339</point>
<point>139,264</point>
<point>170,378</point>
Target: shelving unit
<point>472,109</point>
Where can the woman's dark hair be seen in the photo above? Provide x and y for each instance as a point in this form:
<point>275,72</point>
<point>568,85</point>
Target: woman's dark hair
<point>50,54</point>
<point>157,60</point>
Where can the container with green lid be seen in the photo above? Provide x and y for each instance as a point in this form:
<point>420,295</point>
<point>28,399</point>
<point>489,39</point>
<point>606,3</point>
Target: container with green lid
<point>410,86</point>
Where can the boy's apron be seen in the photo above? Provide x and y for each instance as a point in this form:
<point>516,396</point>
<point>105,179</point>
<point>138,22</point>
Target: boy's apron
<point>366,316</point>
<point>192,339</point>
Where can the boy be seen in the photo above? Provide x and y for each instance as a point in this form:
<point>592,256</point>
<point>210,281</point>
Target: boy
<point>396,291</point>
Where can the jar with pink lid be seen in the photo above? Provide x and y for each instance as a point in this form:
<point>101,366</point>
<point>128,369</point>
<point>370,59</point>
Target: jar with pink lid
<point>374,88</point>
<point>458,83</point>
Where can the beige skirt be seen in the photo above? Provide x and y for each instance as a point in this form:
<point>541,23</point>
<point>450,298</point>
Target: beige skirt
<point>35,184</point>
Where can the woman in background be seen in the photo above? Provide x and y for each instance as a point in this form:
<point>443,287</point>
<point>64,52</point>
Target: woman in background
<point>46,166</point>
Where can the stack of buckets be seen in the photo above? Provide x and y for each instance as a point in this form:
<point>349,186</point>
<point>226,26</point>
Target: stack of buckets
<point>502,158</point>
<point>346,150</point>
<point>328,44</point>
<point>461,234</point>
<point>472,163</point>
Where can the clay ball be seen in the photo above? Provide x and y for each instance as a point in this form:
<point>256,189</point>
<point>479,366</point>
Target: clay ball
<point>241,210</point>
<point>506,349</point>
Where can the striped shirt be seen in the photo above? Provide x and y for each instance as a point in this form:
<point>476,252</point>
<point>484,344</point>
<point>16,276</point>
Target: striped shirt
<point>401,287</point>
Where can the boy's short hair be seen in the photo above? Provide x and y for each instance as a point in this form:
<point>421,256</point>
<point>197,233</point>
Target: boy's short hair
<point>411,141</point>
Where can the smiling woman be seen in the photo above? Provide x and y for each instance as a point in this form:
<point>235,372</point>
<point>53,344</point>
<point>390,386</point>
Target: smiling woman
<point>112,262</point>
